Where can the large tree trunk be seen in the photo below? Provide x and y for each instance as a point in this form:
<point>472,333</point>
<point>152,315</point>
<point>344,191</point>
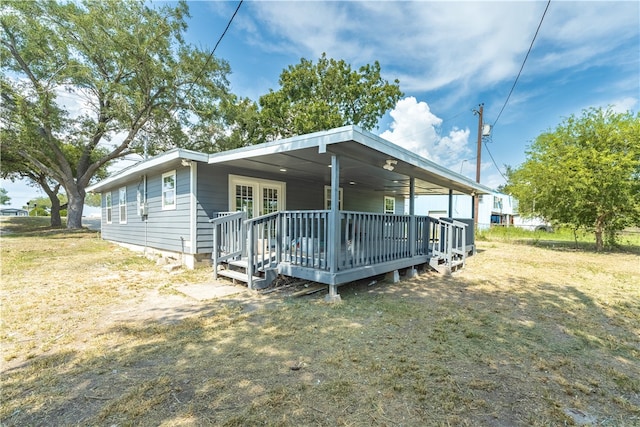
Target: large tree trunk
<point>56,221</point>
<point>75,206</point>
<point>41,179</point>
<point>599,232</point>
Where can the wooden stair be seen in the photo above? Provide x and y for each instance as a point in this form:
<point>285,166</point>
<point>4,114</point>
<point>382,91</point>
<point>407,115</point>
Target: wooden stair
<point>236,270</point>
<point>441,265</point>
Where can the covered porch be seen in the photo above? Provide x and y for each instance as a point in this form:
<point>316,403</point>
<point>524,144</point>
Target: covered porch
<point>335,245</point>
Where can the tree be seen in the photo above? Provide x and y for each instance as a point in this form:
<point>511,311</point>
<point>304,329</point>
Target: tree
<point>325,95</point>
<point>585,173</point>
<point>126,68</point>
<point>4,197</point>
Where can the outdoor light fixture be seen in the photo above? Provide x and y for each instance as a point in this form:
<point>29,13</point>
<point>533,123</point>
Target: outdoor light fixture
<point>389,165</point>
<point>186,162</point>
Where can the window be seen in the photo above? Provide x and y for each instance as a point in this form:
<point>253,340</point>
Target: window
<point>122,203</point>
<point>255,196</point>
<point>327,197</point>
<point>389,205</point>
<point>169,190</point>
<point>107,203</point>
<point>497,203</point>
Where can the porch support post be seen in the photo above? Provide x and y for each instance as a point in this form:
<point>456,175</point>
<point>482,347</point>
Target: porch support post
<point>412,217</point>
<point>473,211</point>
<point>450,203</point>
<point>334,227</point>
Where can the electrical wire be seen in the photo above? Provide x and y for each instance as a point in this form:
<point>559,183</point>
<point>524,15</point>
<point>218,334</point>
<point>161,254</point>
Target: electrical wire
<point>494,162</point>
<point>216,46</point>
<point>227,28</point>
<point>523,62</point>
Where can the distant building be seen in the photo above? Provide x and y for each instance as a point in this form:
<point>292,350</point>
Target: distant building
<point>494,209</point>
<point>13,212</point>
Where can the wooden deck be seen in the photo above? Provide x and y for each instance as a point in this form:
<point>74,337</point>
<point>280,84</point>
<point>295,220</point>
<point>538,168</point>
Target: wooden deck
<point>302,244</point>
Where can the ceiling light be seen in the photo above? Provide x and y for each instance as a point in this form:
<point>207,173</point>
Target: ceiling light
<point>389,165</point>
<point>283,170</point>
<point>352,183</point>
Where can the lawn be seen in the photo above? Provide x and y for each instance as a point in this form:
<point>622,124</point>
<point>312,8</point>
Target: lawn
<point>529,333</point>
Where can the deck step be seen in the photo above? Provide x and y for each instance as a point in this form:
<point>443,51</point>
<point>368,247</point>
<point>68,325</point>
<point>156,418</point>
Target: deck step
<point>240,263</point>
<point>233,274</point>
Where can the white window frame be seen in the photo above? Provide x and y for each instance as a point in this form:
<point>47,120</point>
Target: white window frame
<point>258,185</point>
<point>497,203</point>
<point>327,198</point>
<point>122,205</point>
<point>166,206</point>
<point>108,207</point>
<point>384,207</point>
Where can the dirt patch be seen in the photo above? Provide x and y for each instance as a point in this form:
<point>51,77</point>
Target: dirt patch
<point>522,336</point>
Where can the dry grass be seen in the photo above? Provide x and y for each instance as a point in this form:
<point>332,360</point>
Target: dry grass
<point>525,335</point>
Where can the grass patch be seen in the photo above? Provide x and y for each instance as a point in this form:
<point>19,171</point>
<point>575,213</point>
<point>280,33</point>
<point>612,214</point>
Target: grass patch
<point>524,335</point>
<point>561,238</point>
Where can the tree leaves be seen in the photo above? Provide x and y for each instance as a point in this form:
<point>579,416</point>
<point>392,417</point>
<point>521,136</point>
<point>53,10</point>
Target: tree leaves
<point>585,173</point>
<point>326,95</point>
<point>128,69</point>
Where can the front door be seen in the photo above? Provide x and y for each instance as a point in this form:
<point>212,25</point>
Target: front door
<point>255,196</point>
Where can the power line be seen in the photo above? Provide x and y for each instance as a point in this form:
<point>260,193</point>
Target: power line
<point>523,62</point>
<point>494,162</point>
<point>227,28</point>
<point>216,46</point>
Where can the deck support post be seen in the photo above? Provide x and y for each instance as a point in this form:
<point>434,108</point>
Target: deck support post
<point>334,227</point>
<point>411,272</point>
<point>393,276</point>
<point>450,203</point>
<point>412,221</point>
<point>333,295</point>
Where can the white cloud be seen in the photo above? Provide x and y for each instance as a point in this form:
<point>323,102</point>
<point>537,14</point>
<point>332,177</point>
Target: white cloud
<point>416,128</point>
<point>625,104</point>
<point>432,45</point>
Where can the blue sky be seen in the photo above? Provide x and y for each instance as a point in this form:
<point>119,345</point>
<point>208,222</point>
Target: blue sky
<point>449,57</point>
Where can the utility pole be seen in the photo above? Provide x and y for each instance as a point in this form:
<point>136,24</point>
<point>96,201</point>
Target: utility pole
<point>476,198</point>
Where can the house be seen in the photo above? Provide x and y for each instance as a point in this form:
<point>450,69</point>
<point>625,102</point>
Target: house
<point>327,206</point>
<point>13,212</point>
<point>494,209</point>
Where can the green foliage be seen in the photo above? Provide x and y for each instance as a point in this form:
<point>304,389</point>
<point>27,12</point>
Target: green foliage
<point>325,95</point>
<point>585,173</point>
<point>4,197</point>
<point>127,67</point>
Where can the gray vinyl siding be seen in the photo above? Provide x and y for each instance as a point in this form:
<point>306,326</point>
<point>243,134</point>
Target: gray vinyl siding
<point>213,197</point>
<point>164,228</point>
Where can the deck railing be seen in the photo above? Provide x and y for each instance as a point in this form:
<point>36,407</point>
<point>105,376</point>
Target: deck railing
<point>369,238</point>
<point>448,240</point>
<point>229,238</point>
<point>302,238</point>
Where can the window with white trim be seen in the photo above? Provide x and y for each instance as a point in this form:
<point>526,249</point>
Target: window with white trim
<point>389,205</point>
<point>169,190</point>
<point>327,197</point>
<point>107,204</point>
<point>122,204</point>
<point>256,196</point>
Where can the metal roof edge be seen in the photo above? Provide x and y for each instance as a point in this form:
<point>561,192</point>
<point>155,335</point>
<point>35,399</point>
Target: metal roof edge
<point>173,154</point>
<point>378,143</point>
<point>316,139</point>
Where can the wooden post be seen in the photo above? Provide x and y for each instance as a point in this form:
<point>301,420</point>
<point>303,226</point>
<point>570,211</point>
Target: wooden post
<point>334,227</point>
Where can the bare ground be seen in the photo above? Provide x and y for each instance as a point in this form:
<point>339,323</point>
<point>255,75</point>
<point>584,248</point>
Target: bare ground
<point>523,336</point>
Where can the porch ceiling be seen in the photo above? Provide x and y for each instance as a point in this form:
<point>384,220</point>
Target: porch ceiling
<point>361,159</point>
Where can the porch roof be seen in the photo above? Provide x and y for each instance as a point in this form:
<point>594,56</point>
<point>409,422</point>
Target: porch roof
<point>307,157</point>
<point>362,157</point>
